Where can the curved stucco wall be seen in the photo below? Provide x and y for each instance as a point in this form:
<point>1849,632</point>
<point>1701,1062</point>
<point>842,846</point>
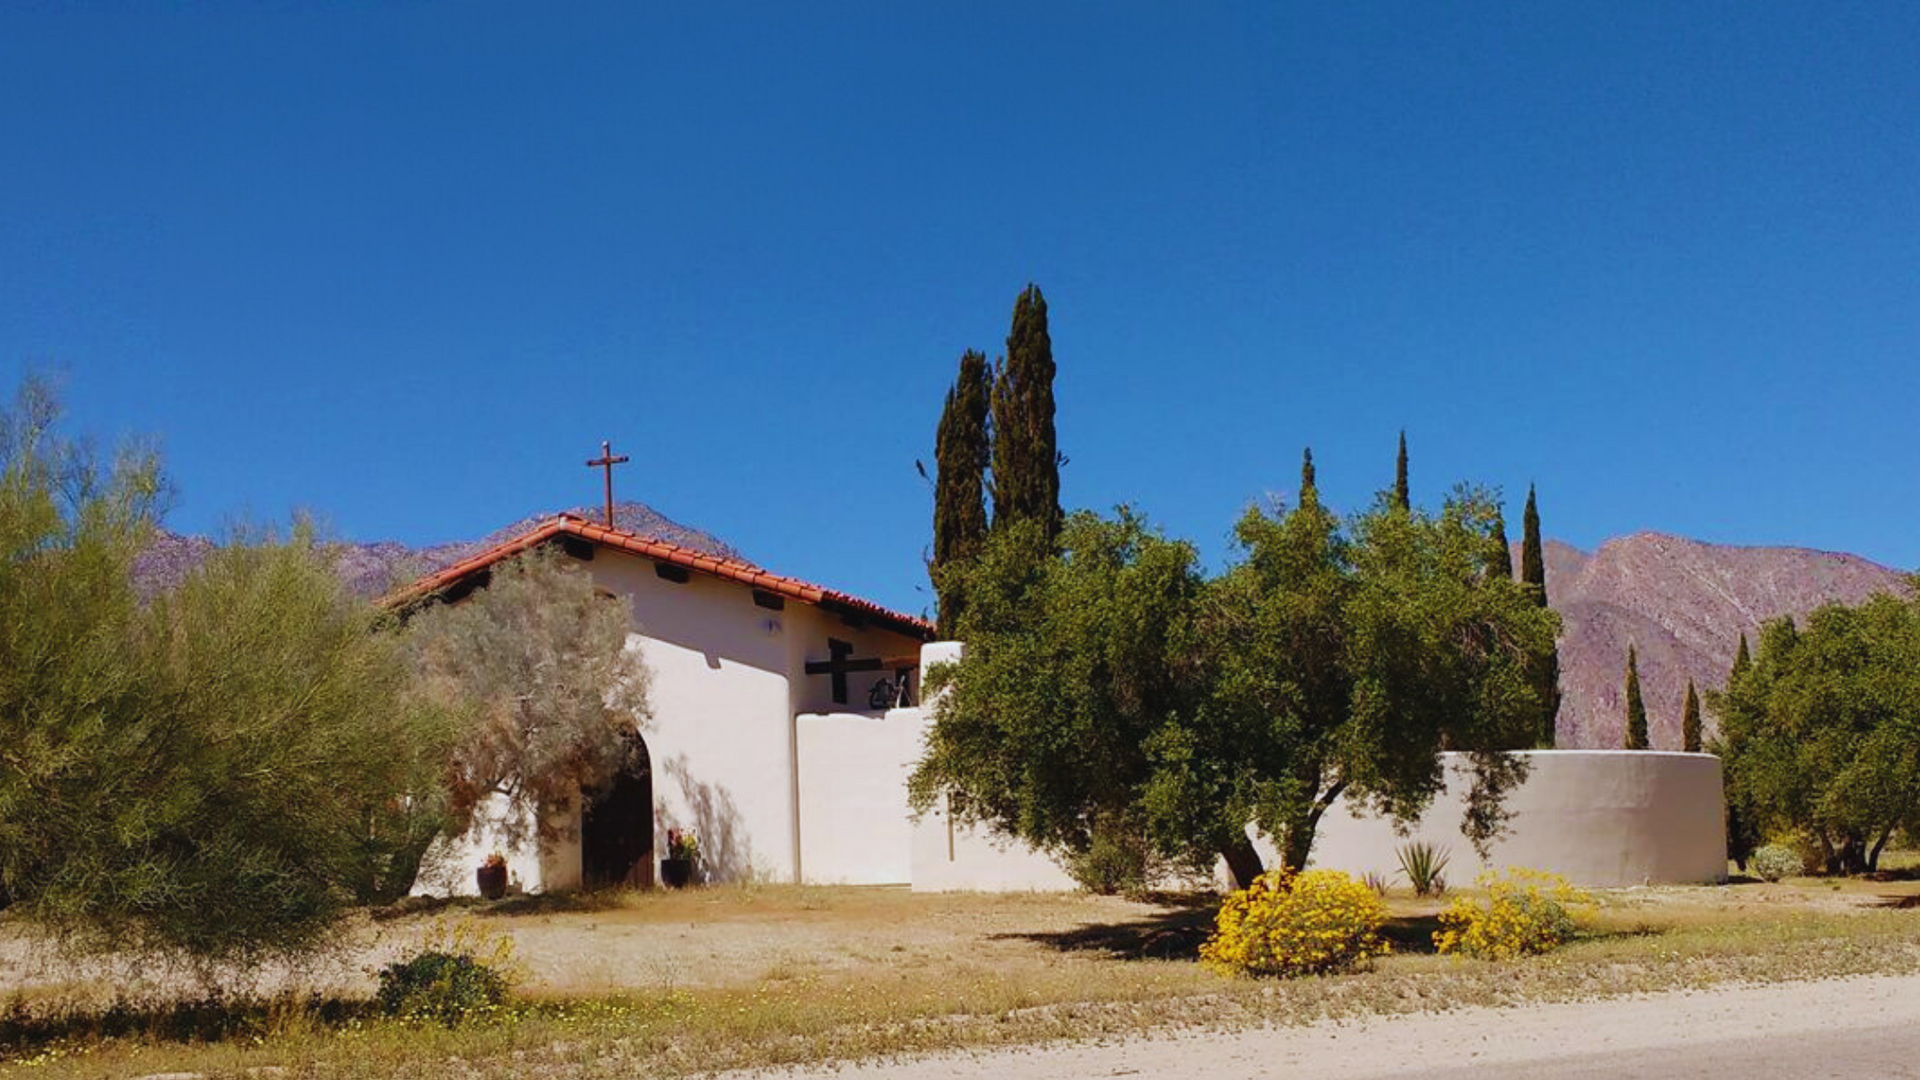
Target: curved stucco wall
<point>1597,817</point>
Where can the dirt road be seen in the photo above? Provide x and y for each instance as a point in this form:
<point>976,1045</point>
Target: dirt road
<point>1863,1027</point>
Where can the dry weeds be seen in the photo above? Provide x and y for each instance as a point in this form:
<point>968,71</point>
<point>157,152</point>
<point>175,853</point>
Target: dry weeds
<point>670,983</point>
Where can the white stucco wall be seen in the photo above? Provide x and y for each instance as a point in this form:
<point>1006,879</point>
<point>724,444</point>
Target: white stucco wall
<point>728,680</point>
<point>854,824</point>
<point>449,865</point>
<point>728,677</point>
<point>846,771</point>
<point>950,858</point>
<point>1597,817</point>
<point>954,858</point>
<point>718,738</point>
<point>808,629</point>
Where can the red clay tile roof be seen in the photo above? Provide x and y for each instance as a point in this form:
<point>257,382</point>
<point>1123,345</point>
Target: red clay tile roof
<point>660,551</point>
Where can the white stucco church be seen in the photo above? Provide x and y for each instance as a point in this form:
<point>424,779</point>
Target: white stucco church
<point>784,725</point>
<point>786,719</point>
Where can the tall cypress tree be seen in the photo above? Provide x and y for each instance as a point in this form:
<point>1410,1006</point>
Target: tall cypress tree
<point>1690,721</point>
<point>1401,493</point>
<point>1533,560</point>
<point>1309,486</point>
<point>1026,457</point>
<point>959,492</point>
<point>1533,572</point>
<point>1742,836</point>
<point>1502,565</point>
<point>1636,733</point>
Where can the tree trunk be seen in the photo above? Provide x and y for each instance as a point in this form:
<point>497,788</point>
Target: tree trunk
<point>1873,857</point>
<point>1297,845</point>
<point>1243,862</point>
<point>1846,857</point>
<point>405,867</point>
<point>1739,844</point>
<point>1300,834</point>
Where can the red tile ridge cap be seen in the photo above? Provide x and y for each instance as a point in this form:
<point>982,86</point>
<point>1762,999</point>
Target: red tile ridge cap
<point>729,569</point>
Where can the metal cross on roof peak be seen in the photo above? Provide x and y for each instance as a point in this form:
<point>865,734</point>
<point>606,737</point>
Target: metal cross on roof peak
<point>606,461</point>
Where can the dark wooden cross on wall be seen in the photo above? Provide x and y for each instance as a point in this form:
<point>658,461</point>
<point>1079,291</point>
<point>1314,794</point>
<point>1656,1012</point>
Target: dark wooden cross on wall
<point>843,663</point>
<point>607,461</point>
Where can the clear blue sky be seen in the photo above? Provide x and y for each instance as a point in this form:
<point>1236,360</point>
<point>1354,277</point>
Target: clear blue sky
<point>406,265</point>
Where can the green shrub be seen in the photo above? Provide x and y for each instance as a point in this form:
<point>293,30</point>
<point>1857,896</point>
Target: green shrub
<point>1110,865</point>
<point>1526,912</point>
<point>1775,861</point>
<point>1297,924</point>
<point>461,972</point>
<point>443,986</point>
<point>217,769</point>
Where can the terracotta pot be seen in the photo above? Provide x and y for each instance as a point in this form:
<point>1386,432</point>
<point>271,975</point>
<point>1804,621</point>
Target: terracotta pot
<point>676,873</point>
<point>492,881</point>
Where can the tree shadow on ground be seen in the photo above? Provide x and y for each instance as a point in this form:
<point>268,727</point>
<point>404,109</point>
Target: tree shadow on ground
<point>1171,934</point>
<point>1411,933</point>
<point>519,904</point>
<point>210,1019</point>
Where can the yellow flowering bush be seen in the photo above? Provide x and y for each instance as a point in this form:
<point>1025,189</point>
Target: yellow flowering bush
<point>1524,913</point>
<point>1297,924</point>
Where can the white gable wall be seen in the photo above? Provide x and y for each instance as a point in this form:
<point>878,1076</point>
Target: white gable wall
<point>726,742</point>
<point>728,680</point>
<point>719,739</point>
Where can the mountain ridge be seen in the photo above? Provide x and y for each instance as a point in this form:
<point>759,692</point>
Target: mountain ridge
<point>1683,603</point>
<point>373,568</point>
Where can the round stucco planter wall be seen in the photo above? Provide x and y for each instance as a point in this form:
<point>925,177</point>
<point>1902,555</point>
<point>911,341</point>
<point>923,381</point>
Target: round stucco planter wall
<point>1597,817</point>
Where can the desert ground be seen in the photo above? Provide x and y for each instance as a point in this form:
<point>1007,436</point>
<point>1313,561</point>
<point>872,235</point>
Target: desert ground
<point>620,984</point>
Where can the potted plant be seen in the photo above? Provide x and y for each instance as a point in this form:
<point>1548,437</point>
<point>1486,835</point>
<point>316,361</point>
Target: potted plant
<point>492,876</point>
<point>676,870</point>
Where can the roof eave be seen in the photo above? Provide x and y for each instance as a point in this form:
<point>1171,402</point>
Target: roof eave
<point>742,573</point>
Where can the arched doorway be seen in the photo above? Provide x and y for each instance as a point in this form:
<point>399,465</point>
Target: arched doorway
<point>616,826</point>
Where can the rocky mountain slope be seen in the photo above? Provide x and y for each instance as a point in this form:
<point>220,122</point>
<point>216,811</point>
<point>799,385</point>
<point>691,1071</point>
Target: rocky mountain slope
<point>371,569</point>
<point>1684,604</point>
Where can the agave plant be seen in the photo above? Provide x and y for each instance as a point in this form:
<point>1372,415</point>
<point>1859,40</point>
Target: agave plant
<point>1424,864</point>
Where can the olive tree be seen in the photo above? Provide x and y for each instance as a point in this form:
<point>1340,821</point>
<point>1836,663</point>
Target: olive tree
<point>1075,662</point>
<point>1820,732</point>
<point>548,685</point>
<point>1111,686</point>
<point>1349,655</point>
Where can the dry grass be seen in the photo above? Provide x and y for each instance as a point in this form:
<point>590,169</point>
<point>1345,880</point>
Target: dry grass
<point>684,982</point>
